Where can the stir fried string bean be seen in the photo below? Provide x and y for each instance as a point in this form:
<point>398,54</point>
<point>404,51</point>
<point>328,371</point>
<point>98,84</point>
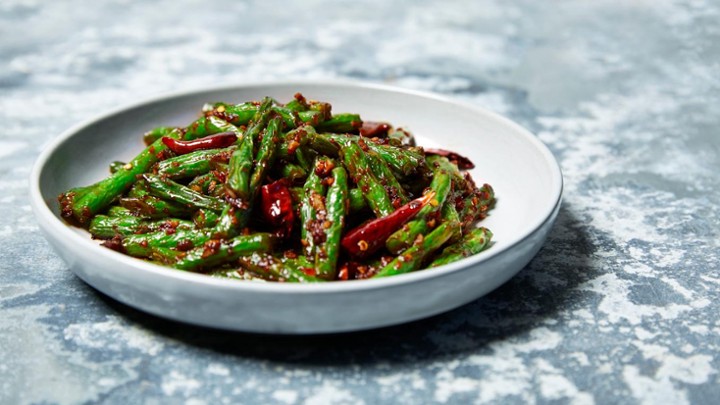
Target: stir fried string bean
<point>265,191</point>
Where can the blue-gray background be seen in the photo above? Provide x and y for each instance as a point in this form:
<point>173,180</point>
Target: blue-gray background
<point>620,306</point>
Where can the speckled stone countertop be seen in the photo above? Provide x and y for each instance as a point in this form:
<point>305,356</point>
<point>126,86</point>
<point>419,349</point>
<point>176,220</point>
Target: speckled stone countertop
<point>620,306</point>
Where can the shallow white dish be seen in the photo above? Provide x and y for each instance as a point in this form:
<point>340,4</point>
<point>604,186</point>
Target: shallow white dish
<point>523,172</point>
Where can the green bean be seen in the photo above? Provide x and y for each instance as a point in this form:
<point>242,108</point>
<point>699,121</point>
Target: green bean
<point>312,206</point>
<point>116,165</point>
<point>140,203</point>
<point>326,255</point>
<point>413,257</point>
<point>118,211</point>
<point>142,245</point>
<point>380,169</point>
<point>265,157</point>
<point>208,184</point>
<point>305,158</point>
<point>476,205</point>
<point>296,269</point>
<point>205,126</point>
<point>241,162</point>
<point>293,172</point>
<point>448,213</point>
<point>106,227</point>
<point>340,123</point>
<point>156,133</point>
<point>356,200</point>
<point>404,161</point>
<point>236,114</point>
<point>205,218</point>
<point>403,238</point>
<point>216,252</point>
<point>354,159</point>
<point>294,139</point>
<point>191,164</point>
<point>168,189</point>
<point>471,243</point>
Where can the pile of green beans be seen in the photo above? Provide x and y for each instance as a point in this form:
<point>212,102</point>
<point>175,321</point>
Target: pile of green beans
<point>286,192</point>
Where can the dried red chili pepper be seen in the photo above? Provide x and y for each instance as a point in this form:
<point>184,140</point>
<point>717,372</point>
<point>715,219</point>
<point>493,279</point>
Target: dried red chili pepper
<point>277,205</point>
<point>221,140</point>
<point>367,238</point>
<point>372,129</point>
<point>461,161</point>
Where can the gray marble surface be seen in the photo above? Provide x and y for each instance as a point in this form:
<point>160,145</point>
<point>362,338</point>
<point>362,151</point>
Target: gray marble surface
<point>620,306</point>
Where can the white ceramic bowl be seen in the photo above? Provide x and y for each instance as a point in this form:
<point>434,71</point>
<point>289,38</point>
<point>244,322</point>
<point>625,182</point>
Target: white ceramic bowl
<point>526,178</point>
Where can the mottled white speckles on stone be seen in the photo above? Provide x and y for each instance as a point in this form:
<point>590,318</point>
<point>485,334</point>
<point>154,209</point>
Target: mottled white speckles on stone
<point>42,370</point>
<point>114,334</point>
<point>8,148</point>
<point>332,393</point>
<point>699,329</point>
<point>218,369</point>
<point>649,391</point>
<point>617,305</point>
<point>10,291</point>
<point>448,385</point>
<point>285,396</point>
<point>176,382</point>
<point>555,386</point>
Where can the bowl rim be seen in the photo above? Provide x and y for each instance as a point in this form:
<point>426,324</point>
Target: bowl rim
<point>53,224</point>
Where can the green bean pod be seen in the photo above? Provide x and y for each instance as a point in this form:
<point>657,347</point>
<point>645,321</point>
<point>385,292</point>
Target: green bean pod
<point>327,253</point>
<point>217,252</point>
<point>269,267</point>
<point>265,157</point>
<point>139,202</point>
<point>241,162</point>
<point>191,164</point>
<point>340,123</point>
<point>404,237</point>
<point>413,257</point>
<point>116,165</point>
<point>168,189</point>
<point>142,245</point>
<point>382,171</point>
<point>208,184</point>
<point>355,160</point>
<point>476,205</point>
<point>312,210</point>
<point>356,200</point>
<point>236,114</point>
<point>473,242</point>
<point>154,134</point>
<point>107,227</point>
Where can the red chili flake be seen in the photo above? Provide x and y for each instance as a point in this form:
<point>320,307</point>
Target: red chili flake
<point>211,247</point>
<point>323,167</point>
<point>344,272</point>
